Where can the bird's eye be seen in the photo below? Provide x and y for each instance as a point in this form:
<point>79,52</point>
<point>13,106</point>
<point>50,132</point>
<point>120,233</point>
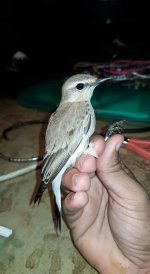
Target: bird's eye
<point>80,86</point>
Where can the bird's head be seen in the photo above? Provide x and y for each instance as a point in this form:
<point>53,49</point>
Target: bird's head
<point>79,87</point>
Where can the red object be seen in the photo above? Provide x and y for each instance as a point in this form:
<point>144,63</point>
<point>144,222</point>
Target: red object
<point>139,146</point>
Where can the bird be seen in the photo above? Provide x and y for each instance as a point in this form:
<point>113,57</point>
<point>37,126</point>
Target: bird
<point>68,134</point>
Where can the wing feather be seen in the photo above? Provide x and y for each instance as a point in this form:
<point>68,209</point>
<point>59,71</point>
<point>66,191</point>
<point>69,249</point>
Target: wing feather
<point>66,128</point>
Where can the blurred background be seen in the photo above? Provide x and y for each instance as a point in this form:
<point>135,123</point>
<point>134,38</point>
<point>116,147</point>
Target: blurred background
<point>50,36</point>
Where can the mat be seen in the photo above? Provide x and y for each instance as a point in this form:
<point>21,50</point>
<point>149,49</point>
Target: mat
<point>108,102</point>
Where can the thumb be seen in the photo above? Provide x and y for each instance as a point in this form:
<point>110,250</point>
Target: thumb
<point>110,171</point>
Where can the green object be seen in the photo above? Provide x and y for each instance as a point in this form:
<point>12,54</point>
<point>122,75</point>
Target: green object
<point>44,96</point>
<point>108,102</point>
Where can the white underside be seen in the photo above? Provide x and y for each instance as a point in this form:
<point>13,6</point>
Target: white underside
<point>83,148</point>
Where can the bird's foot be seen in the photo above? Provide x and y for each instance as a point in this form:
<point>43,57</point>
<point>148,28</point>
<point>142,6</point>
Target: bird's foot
<point>115,128</point>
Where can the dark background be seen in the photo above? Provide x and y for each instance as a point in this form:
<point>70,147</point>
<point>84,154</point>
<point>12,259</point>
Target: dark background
<point>56,34</point>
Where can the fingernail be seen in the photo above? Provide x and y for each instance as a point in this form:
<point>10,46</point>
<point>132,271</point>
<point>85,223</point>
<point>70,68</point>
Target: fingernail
<point>80,163</point>
<point>75,179</point>
<point>118,145</point>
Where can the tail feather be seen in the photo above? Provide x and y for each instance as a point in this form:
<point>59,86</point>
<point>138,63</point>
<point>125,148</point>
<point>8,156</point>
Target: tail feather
<point>57,218</point>
<point>38,195</point>
<point>57,213</point>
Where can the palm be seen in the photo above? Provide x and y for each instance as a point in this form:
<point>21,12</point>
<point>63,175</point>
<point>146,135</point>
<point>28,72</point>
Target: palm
<point>106,222</point>
<point>128,219</point>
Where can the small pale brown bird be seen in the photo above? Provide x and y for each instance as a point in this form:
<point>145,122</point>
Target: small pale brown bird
<point>68,133</point>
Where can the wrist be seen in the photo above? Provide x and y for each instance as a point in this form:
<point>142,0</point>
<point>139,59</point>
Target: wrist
<point>139,271</point>
<point>121,268</point>
<point>125,271</point>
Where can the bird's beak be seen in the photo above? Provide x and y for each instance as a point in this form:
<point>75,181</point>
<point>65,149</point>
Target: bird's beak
<point>114,79</point>
<point>100,81</point>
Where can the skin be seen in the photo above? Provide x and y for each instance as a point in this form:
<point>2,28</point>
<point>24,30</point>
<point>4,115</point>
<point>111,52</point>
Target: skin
<point>107,212</point>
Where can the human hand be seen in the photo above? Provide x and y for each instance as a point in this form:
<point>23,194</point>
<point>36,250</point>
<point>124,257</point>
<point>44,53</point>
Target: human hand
<point>107,212</point>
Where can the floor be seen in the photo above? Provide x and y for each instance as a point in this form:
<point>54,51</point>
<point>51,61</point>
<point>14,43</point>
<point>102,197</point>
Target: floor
<point>33,246</point>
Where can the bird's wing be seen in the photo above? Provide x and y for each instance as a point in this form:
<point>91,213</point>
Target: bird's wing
<point>65,131</point>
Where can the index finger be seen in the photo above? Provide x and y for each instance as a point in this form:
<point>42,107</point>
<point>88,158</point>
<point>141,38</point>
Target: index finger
<point>87,163</point>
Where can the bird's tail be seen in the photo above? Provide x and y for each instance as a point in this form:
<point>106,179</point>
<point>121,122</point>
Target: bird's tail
<point>57,218</point>
<point>39,194</point>
<point>57,212</point>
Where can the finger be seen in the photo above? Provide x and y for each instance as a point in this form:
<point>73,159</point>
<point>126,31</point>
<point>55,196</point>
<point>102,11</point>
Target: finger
<point>75,181</point>
<point>88,163</point>
<point>98,144</point>
<point>74,203</point>
<point>110,171</point>
<point>109,160</point>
